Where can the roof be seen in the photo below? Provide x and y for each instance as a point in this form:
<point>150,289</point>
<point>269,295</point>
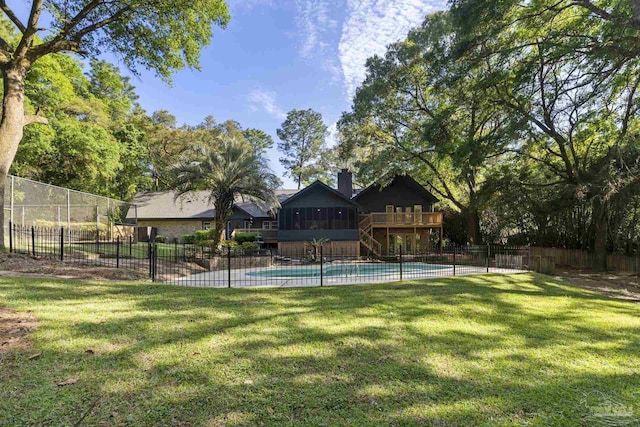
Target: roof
<point>192,205</point>
<point>319,185</point>
<point>408,179</point>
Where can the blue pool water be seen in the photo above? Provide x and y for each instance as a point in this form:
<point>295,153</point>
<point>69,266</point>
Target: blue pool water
<point>333,270</point>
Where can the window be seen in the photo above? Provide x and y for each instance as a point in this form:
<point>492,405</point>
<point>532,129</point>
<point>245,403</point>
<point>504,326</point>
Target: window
<point>206,225</point>
<point>316,218</point>
<point>418,210</point>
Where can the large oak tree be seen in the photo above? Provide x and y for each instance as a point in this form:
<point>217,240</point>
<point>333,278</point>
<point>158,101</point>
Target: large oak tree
<point>159,35</point>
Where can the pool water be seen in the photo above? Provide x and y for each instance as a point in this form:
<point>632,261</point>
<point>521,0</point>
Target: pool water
<point>332,270</point>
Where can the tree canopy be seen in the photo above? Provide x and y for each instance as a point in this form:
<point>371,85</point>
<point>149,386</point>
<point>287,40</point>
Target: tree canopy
<point>302,143</point>
<point>522,116</point>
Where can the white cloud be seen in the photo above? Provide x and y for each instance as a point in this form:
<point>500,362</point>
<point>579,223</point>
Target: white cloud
<point>265,100</point>
<point>315,24</point>
<point>332,135</point>
<point>370,26</point>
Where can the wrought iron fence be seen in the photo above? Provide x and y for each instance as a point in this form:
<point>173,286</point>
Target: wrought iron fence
<point>108,247</point>
<point>193,265</point>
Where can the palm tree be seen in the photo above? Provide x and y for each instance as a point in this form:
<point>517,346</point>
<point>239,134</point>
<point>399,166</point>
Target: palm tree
<point>229,171</point>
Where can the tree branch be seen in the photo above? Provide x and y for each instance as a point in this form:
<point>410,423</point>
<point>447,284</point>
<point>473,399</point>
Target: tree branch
<point>12,16</point>
<point>34,118</point>
<point>606,15</point>
<point>29,33</point>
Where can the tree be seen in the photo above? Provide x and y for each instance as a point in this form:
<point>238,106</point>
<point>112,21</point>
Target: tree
<point>158,35</point>
<point>260,140</point>
<point>302,136</point>
<point>229,170</point>
<point>422,111</point>
<point>571,72</point>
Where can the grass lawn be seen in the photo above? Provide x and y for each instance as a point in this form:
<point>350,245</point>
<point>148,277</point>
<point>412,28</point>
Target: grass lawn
<point>137,250</point>
<point>486,350</point>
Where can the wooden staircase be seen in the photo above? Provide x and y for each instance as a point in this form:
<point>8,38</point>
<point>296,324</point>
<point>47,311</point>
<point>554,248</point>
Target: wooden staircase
<point>366,236</point>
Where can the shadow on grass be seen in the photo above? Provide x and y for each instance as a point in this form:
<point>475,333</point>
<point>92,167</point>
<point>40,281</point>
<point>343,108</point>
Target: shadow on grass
<point>474,350</point>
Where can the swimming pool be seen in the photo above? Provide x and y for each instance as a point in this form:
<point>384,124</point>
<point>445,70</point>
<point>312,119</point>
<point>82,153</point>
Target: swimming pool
<point>336,270</point>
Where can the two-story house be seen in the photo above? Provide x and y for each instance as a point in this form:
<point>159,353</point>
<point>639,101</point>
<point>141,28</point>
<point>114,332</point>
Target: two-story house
<point>375,220</point>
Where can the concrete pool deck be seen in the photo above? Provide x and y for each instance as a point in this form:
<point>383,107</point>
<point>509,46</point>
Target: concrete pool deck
<point>247,278</point>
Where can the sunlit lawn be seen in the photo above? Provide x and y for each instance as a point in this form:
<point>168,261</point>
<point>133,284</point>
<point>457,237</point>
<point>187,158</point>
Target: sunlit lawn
<point>486,350</point>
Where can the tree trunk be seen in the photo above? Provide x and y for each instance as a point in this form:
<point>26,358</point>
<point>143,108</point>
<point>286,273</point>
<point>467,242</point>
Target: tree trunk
<point>11,129</point>
<point>473,227</point>
<point>601,232</point>
<point>219,224</point>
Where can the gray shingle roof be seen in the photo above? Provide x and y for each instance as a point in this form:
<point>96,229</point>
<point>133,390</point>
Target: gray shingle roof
<point>194,205</point>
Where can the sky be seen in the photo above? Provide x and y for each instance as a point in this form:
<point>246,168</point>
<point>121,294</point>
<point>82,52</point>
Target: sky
<point>277,55</point>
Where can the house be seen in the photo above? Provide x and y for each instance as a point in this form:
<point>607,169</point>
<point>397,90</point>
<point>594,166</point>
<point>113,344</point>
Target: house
<point>174,217</point>
<point>376,220</point>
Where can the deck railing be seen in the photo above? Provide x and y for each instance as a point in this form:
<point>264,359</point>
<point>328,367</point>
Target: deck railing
<point>431,219</point>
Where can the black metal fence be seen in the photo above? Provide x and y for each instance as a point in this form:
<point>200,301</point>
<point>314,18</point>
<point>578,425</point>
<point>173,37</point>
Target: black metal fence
<point>99,247</point>
<point>315,265</point>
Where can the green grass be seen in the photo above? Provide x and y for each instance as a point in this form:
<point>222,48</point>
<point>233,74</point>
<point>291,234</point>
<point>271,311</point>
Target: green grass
<point>138,250</point>
<point>487,350</point>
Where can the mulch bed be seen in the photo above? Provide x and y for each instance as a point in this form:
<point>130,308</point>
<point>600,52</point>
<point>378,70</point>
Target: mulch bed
<point>28,266</point>
<point>624,286</point>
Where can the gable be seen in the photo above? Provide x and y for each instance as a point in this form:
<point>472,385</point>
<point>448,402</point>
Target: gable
<point>317,195</point>
<point>403,191</point>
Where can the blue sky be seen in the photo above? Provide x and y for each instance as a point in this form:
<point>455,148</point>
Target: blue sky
<point>277,55</point>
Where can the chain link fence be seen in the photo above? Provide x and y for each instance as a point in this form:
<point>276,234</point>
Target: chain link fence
<point>30,203</point>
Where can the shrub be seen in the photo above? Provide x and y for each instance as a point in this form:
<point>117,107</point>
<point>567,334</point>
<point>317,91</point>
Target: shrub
<point>229,244</point>
<point>161,239</point>
<point>249,246</point>
<point>202,235</point>
<point>246,237</point>
<point>188,239</point>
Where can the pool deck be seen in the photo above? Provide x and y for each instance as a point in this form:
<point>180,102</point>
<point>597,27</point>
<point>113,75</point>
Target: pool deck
<point>240,278</point>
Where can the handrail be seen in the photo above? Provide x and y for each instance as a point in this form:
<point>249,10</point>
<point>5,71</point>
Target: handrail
<point>407,218</point>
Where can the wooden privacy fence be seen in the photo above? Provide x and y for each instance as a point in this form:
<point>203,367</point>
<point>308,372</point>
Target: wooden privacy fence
<point>580,258</point>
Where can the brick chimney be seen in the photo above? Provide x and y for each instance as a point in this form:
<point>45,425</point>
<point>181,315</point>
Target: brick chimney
<point>345,183</point>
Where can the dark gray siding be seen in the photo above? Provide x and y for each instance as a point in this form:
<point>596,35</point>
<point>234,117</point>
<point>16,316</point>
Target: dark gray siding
<point>318,197</point>
<point>402,191</point>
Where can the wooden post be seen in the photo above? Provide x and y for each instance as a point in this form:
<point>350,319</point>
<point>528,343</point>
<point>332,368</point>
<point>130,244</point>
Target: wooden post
<point>118,252</point>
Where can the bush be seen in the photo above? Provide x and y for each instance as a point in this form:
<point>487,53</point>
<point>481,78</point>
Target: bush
<point>241,238</point>
<point>229,244</point>
<point>161,239</point>
<point>189,239</point>
<point>249,246</point>
<point>202,235</point>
